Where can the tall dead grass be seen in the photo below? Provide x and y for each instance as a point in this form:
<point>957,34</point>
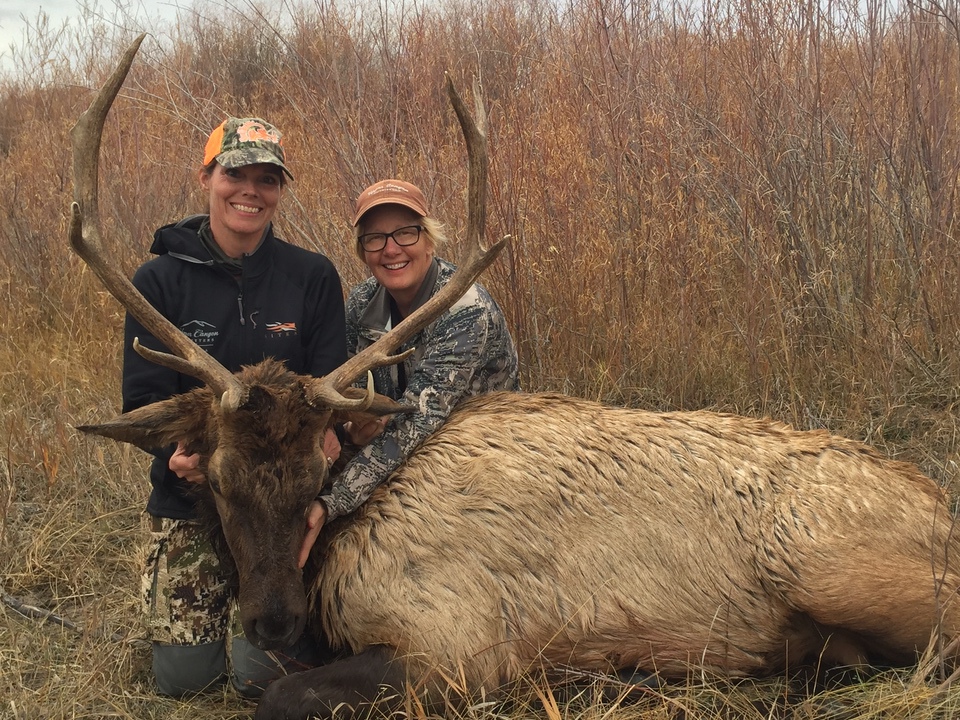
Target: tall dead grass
<point>747,206</point>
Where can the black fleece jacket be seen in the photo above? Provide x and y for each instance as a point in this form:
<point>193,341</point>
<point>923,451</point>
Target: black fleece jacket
<point>287,303</point>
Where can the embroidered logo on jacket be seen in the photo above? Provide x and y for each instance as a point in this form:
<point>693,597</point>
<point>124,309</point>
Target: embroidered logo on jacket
<point>201,332</point>
<point>282,328</point>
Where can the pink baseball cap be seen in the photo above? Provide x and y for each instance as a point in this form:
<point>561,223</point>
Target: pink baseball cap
<point>390,192</point>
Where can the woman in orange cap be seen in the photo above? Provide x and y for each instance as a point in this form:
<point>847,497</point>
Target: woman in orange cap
<point>243,295</point>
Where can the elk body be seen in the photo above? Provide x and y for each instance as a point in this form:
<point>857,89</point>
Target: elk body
<point>538,531</point>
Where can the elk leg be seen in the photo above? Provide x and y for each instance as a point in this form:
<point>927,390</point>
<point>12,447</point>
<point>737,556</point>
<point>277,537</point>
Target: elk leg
<point>349,687</point>
<point>885,609</point>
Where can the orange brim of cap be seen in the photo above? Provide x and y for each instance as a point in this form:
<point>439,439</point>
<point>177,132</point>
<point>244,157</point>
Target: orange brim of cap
<point>214,144</point>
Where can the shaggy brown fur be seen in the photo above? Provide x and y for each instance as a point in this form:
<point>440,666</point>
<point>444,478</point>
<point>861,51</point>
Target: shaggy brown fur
<point>536,531</point>
<point>543,529</point>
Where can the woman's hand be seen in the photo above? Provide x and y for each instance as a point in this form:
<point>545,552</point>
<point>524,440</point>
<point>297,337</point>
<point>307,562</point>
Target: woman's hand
<point>362,434</point>
<point>331,447</point>
<point>316,516</point>
<point>186,466</point>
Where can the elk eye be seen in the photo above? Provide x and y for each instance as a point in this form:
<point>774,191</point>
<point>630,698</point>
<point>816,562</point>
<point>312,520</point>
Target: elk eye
<point>214,484</point>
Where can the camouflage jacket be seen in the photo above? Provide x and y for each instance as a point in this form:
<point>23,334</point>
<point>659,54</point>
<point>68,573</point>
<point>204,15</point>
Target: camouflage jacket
<point>466,351</point>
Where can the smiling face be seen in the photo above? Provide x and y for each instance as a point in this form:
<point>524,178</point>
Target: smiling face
<point>400,270</point>
<point>243,201</point>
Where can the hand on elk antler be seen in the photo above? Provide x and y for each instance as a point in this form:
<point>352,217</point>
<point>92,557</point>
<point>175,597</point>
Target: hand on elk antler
<point>329,390</point>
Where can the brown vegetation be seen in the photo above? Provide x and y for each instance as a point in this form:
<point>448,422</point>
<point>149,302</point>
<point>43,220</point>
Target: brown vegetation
<point>748,206</point>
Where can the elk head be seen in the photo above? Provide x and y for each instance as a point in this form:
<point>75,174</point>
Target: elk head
<point>259,431</point>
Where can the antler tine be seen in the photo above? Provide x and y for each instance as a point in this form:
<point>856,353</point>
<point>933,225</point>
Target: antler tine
<point>329,389</point>
<point>86,242</point>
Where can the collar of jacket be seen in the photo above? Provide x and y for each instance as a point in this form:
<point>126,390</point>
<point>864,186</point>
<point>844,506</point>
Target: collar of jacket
<point>182,241</point>
<point>376,316</point>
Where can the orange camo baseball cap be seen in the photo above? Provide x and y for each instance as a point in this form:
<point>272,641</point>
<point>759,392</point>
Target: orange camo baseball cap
<point>245,141</point>
<point>390,192</point>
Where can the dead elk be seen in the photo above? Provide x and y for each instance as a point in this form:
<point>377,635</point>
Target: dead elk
<point>539,531</point>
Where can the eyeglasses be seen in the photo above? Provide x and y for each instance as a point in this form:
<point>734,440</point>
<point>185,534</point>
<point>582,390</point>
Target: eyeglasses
<point>404,237</point>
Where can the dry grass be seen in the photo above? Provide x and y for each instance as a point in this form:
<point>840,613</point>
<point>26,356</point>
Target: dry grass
<point>741,206</point>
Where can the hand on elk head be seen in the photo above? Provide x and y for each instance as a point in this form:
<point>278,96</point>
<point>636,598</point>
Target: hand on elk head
<point>186,465</point>
<point>362,432</point>
<point>316,516</point>
<point>331,447</point>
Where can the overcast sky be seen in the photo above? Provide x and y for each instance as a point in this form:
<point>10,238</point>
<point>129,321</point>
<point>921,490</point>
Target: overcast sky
<point>12,25</point>
<point>15,15</point>
<point>20,17</point>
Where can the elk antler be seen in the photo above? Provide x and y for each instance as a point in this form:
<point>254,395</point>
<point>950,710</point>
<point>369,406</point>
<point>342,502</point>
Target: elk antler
<point>330,388</point>
<point>86,242</point>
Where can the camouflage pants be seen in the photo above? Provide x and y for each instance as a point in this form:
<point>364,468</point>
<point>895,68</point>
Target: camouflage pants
<point>187,604</point>
<point>186,599</point>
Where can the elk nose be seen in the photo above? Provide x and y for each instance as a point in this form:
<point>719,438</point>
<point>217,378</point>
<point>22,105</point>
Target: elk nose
<point>275,631</point>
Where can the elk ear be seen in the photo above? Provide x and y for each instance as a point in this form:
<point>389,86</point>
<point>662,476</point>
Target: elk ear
<point>152,426</point>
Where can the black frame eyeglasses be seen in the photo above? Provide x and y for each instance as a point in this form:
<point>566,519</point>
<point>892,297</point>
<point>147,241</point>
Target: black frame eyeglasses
<point>404,237</point>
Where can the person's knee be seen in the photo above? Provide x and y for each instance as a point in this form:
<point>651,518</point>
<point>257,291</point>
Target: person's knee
<point>186,669</point>
<point>253,669</point>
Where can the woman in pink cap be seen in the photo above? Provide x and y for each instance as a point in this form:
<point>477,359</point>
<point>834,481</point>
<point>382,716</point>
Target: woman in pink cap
<point>468,350</point>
